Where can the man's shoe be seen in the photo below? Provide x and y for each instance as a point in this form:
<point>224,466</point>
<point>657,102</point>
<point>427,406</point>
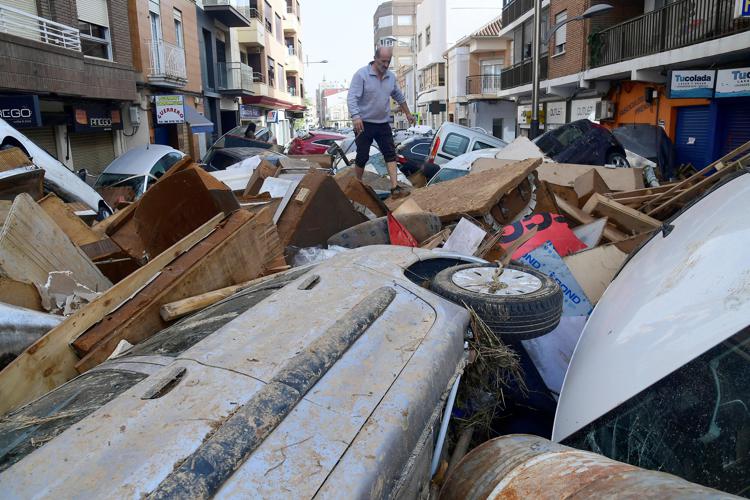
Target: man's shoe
<point>399,192</point>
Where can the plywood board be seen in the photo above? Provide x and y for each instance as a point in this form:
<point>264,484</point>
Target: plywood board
<point>588,184</point>
<point>591,234</point>
<point>50,361</point>
<point>594,269</point>
<point>582,217</point>
<point>473,194</point>
<point>618,179</point>
<point>72,225</point>
<point>13,158</point>
<point>628,219</point>
<point>20,293</point>
<point>28,180</point>
<point>242,248</point>
<point>32,245</point>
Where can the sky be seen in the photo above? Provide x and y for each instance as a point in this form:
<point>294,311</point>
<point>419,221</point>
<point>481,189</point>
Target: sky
<point>339,31</point>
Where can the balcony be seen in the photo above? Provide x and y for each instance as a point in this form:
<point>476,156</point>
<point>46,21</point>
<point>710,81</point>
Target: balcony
<point>293,64</point>
<point>167,64</point>
<point>677,25</point>
<point>515,9</point>
<point>290,23</point>
<point>255,35</point>
<point>521,73</point>
<point>483,85</point>
<point>232,13</point>
<point>234,78</point>
<point>22,24</point>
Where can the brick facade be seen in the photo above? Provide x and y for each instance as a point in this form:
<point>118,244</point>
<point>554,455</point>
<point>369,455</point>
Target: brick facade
<point>573,59</point>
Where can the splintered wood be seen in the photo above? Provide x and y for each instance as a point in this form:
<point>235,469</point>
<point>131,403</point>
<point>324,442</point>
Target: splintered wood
<point>473,194</point>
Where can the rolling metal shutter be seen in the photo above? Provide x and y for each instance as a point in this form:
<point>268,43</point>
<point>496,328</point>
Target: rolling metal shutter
<point>93,11</point>
<point>693,139</point>
<point>92,150</point>
<point>44,137</point>
<point>735,121</point>
<point>28,6</point>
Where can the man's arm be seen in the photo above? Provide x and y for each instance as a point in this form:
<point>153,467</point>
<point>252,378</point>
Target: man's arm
<point>356,88</point>
<point>398,96</point>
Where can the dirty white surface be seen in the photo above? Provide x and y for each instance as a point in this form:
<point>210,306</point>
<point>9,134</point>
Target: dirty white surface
<point>352,434</point>
<point>676,298</point>
<point>465,238</point>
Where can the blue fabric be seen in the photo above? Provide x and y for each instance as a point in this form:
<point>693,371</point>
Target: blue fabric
<point>370,97</point>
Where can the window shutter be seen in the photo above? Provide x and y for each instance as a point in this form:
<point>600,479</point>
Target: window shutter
<point>93,11</point>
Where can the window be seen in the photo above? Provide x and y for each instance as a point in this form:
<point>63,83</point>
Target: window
<point>448,174</point>
<point>419,41</point>
<point>421,149</point>
<point>385,21</point>
<point>497,127</point>
<point>281,76</point>
<point>528,36</point>
<point>387,42</point>
<point>455,144</point>
<point>404,20</point>
<point>545,29</point>
<point>517,45</point>
<point>692,423</point>
<point>271,72</point>
<point>95,40</point>
<point>481,145</point>
<point>405,41</point>
<point>560,34</point>
<point>179,35</point>
<point>279,33</point>
<point>426,36</point>
<point>268,15</point>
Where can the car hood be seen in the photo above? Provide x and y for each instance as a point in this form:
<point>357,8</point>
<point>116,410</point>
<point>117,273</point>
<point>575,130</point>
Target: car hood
<point>678,296</point>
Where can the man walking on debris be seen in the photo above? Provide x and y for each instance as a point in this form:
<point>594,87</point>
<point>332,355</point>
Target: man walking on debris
<point>369,103</point>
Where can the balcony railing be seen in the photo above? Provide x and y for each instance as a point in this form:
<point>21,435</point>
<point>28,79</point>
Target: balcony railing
<point>516,9</point>
<point>483,84</point>
<point>677,25</point>
<point>243,7</point>
<point>22,24</point>
<point>167,62</point>
<point>234,76</point>
<point>521,73</point>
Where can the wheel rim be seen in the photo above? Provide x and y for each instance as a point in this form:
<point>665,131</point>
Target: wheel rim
<point>511,282</point>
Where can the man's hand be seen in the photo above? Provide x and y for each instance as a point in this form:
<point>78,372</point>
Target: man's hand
<point>358,125</point>
<point>410,118</point>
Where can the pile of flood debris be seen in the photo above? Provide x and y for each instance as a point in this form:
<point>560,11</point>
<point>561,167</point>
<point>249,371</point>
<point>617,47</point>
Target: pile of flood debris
<point>75,292</point>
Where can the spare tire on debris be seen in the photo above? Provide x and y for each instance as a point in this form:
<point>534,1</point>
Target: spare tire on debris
<point>521,304</point>
<point>375,232</point>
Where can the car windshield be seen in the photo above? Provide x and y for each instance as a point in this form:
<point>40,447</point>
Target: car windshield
<point>130,184</point>
<point>448,174</point>
<point>694,423</point>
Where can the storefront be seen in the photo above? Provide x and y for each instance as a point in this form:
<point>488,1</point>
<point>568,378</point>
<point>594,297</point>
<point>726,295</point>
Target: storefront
<point>178,124</point>
<point>92,135</point>
<point>273,113</point>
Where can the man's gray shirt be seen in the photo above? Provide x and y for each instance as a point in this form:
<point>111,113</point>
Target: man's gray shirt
<point>370,97</point>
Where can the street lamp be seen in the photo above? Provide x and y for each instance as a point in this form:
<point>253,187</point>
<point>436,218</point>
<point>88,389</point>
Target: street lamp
<point>592,11</point>
<point>309,62</point>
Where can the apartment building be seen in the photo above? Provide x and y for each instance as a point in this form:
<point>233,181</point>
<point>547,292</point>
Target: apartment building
<point>678,64</point>
<point>67,80</point>
<point>326,89</point>
<point>394,25</point>
<point>474,66</point>
<point>272,47</point>
<point>337,110</point>
<point>440,24</point>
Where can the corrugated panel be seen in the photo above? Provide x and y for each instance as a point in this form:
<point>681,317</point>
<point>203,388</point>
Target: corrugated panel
<point>93,11</point>
<point>735,118</point>
<point>44,137</point>
<point>693,138</point>
<point>92,151</point>
<point>24,5</point>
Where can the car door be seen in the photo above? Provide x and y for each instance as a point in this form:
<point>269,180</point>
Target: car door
<point>455,144</point>
<point>573,144</point>
<point>420,151</point>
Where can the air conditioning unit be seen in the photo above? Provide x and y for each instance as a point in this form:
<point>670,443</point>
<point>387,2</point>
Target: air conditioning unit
<point>605,110</point>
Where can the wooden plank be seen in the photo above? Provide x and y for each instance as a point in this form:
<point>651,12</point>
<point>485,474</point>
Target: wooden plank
<point>632,221</point>
<point>13,158</point>
<point>181,308</point>
<point>634,201</point>
<point>697,187</point>
<point>4,210</point>
<point>718,165</point>
<point>473,194</point>
<point>243,248</point>
<point>72,225</point>
<point>32,245</point>
<point>28,180</point>
<point>20,293</point>
<point>587,184</point>
<point>578,215</point>
<point>642,192</point>
<point>50,361</point>
<point>594,269</point>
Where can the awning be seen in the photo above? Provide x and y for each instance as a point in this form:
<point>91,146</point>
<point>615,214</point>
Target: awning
<point>198,123</point>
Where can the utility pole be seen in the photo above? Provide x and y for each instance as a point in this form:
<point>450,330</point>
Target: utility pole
<point>536,49</point>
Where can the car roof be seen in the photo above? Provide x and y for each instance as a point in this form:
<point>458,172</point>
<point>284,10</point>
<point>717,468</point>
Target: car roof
<point>678,296</point>
<point>138,160</point>
<point>325,135</point>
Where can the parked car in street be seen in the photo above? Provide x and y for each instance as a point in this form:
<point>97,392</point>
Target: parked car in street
<point>582,142</point>
<point>452,140</point>
<point>220,159</point>
<point>57,177</point>
<point>338,396</point>
<point>412,154</point>
<point>313,143</point>
<point>136,170</point>
<point>660,377</point>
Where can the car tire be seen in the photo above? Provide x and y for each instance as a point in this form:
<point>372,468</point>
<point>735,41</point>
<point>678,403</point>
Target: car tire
<point>617,159</point>
<point>532,310</point>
